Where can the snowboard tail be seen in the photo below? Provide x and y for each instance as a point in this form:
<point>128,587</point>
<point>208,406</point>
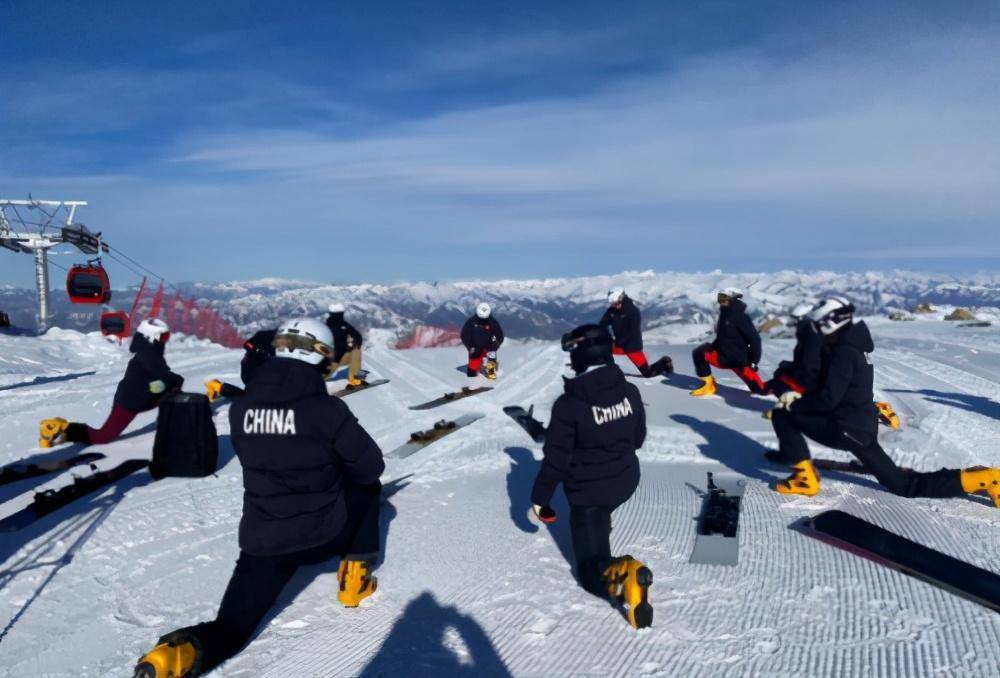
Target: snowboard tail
<point>526,420</point>
<point>899,553</point>
<point>21,470</point>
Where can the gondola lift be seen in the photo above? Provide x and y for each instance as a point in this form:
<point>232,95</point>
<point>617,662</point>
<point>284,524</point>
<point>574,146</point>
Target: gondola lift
<point>88,283</point>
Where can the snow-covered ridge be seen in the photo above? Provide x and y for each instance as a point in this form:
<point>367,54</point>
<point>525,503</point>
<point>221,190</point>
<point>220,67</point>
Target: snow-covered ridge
<point>544,308</point>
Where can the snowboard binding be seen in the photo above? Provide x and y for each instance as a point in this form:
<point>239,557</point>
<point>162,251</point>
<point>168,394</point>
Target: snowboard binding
<point>721,513</point>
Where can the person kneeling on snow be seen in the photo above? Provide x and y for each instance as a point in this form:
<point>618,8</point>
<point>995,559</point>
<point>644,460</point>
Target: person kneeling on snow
<point>482,336</point>
<point>840,413</point>
<point>311,493</point>
<point>258,349</point>
<point>346,346</point>
<point>147,378</point>
<point>597,425</point>
<point>623,320</point>
<point>736,346</point>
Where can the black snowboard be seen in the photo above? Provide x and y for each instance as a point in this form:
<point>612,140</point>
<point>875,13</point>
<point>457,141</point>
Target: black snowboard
<point>887,548</point>
<point>48,501</point>
<point>526,419</point>
<point>21,470</point>
<point>368,384</point>
<point>451,397</point>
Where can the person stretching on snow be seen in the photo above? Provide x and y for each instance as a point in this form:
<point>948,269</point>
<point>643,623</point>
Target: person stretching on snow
<point>840,413</point>
<point>311,493</point>
<point>346,346</point>
<point>147,378</point>
<point>258,349</point>
<point>623,320</point>
<point>482,336</point>
<point>597,425</point>
<point>802,373</point>
<point>736,346</point>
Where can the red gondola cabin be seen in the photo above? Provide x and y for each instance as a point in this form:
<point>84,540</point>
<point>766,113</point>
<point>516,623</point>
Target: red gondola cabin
<point>115,324</point>
<point>88,284</point>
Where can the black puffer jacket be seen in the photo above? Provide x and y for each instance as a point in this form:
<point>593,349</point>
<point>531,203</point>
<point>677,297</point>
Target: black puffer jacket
<point>345,337</point>
<point>735,336</point>
<point>482,334</point>
<point>625,324</point>
<point>846,381</point>
<point>297,446</point>
<point>806,362</point>
<point>147,365</point>
<point>597,425</point>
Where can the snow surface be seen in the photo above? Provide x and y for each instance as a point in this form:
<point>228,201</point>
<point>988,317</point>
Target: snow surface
<point>470,586</point>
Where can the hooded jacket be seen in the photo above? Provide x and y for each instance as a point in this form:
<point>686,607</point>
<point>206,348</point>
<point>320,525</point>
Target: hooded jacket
<point>625,324</point>
<point>597,425</point>
<point>735,336</point>
<point>147,365</point>
<point>806,362</point>
<point>482,334</point>
<point>345,337</point>
<point>298,446</point>
<point>258,350</point>
<point>846,381</point>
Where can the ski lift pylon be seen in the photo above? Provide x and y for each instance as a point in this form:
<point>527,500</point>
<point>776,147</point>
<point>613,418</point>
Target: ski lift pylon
<point>88,283</point>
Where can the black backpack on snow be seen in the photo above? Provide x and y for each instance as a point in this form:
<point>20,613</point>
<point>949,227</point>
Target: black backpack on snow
<point>186,443</point>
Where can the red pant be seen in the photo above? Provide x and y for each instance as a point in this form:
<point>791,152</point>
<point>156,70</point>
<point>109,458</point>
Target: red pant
<point>749,377</point>
<point>791,383</point>
<point>638,358</point>
<point>116,422</point>
<point>476,360</point>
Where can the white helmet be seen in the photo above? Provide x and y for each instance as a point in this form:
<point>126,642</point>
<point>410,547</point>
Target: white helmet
<point>336,307</point>
<point>305,339</point>
<point>153,329</point>
<point>832,314</point>
<point>802,310</point>
<point>732,292</point>
<point>616,295</point>
<point>483,310</point>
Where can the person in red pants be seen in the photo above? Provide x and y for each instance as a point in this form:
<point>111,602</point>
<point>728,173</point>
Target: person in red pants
<point>736,347</point>
<point>482,336</point>
<point>624,321</point>
<point>147,378</point>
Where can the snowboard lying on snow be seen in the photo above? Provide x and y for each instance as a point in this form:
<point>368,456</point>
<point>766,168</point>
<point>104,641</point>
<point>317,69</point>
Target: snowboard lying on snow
<point>50,500</point>
<point>717,541</point>
<point>421,439</point>
<point>451,397</point>
<point>21,470</point>
<point>358,389</point>
<point>916,560</point>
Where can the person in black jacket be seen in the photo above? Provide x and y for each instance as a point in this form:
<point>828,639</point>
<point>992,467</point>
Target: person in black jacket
<point>482,336</point>
<point>840,413</point>
<point>147,378</point>
<point>311,493</point>
<point>801,373</point>
<point>597,425</point>
<point>736,346</point>
<point>257,350</point>
<point>346,346</point>
<point>623,319</point>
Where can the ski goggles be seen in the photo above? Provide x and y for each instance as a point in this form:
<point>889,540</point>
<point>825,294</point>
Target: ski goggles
<point>302,342</point>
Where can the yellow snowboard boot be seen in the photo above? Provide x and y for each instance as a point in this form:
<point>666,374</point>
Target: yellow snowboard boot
<point>52,431</point>
<point>355,381</point>
<point>887,415</point>
<point>356,583</point>
<point>167,660</point>
<point>490,369</point>
<point>707,387</point>
<point>213,389</point>
<point>628,583</point>
<point>804,480</point>
<point>981,479</point>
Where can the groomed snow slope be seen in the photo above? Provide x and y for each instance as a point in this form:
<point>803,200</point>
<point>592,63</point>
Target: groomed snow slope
<point>469,585</point>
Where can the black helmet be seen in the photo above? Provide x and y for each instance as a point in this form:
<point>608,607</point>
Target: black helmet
<point>588,345</point>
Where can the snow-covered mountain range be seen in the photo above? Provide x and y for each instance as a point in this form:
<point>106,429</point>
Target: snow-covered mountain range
<point>544,308</point>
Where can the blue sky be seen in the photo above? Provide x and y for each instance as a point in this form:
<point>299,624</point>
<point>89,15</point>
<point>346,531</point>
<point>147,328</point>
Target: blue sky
<point>239,140</point>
